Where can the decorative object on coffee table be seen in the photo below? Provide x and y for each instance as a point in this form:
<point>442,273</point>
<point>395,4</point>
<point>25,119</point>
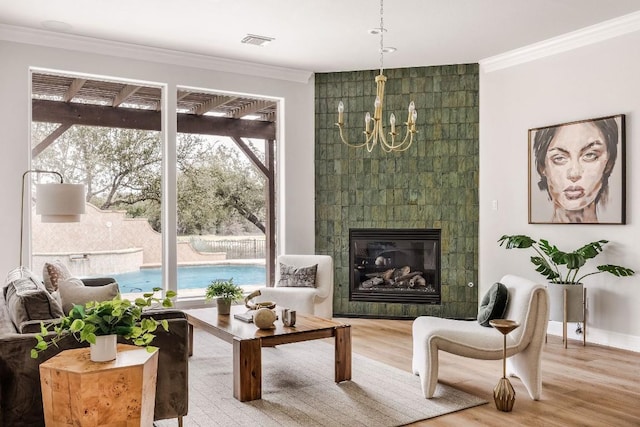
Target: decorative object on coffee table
<point>79,392</point>
<point>288,317</point>
<point>252,305</point>
<point>263,318</point>
<point>225,293</point>
<point>504,395</point>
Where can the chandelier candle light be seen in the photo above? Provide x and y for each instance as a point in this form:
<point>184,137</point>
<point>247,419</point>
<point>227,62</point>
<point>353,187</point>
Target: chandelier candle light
<point>377,135</point>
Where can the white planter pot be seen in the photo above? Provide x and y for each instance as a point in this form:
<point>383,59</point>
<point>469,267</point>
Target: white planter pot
<point>105,348</point>
<point>575,295</point>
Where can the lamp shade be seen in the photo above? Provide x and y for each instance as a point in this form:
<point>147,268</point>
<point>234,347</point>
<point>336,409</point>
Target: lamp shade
<point>60,202</point>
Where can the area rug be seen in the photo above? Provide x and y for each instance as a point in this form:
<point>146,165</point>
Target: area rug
<point>298,390</point>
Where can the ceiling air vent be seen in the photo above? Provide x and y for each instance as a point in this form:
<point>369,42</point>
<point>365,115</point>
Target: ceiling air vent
<point>257,40</point>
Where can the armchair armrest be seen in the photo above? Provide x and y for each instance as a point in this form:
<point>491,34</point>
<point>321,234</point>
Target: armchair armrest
<point>98,281</point>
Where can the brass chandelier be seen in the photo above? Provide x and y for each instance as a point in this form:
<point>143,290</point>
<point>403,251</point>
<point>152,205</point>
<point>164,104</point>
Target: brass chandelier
<point>375,136</point>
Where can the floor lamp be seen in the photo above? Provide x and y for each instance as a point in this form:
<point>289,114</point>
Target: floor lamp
<point>56,202</point>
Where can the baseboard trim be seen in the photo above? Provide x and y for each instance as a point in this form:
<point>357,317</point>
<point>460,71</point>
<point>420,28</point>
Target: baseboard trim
<point>597,336</point>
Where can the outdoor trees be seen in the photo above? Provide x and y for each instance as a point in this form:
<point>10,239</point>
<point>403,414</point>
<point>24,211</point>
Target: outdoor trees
<point>121,168</point>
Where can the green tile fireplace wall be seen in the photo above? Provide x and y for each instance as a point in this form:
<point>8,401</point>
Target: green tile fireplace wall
<point>434,184</point>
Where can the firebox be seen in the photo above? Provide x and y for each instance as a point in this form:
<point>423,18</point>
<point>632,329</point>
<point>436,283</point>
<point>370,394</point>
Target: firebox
<point>395,265</point>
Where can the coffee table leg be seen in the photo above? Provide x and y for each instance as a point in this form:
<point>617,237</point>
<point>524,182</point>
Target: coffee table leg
<point>247,369</point>
<point>343,353</point>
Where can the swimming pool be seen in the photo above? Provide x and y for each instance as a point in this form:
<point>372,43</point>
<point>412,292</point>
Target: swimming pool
<point>191,277</point>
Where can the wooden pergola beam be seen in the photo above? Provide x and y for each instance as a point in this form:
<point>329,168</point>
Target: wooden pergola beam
<point>125,93</point>
<point>73,89</point>
<point>35,151</point>
<point>212,104</point>
<point>251,108</point>
<point>253,158</point>
<point>132,118</point>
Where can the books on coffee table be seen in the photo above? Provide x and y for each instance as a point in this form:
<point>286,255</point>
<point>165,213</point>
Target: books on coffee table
<point>245,317</point>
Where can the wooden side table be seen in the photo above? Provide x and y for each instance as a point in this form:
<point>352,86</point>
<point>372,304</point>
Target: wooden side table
<point>79,392</point>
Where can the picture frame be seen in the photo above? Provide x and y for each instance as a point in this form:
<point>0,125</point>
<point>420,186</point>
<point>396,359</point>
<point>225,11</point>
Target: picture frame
<point>577,172</point>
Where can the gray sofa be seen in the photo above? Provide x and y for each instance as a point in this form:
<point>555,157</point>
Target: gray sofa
<point>20,393</point>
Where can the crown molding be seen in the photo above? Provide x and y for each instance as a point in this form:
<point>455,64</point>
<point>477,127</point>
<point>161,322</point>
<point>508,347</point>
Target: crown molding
<point>147,53</point>
<point>583,37</point>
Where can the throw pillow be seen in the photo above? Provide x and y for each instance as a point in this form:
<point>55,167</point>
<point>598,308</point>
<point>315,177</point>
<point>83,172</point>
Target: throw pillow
<point>53,273</point>
<point>27,300</point>
<point>493,304</point>
<point>73,291</point>
<point>299,277</point>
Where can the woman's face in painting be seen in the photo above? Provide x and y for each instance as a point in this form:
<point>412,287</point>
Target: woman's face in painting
<point>574,164</point>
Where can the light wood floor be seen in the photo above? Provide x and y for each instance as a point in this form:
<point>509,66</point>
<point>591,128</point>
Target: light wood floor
<point>582,386</point>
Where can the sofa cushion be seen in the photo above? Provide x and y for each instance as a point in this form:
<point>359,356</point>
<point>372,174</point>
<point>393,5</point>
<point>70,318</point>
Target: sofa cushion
<point>73,291</point>
<point>494,304</point>
<point>53,273</point>
<point>27,300</point>
<point>303,277</point>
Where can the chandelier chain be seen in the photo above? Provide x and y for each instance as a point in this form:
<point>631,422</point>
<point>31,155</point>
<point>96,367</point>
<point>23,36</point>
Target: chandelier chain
<point>381,36</point>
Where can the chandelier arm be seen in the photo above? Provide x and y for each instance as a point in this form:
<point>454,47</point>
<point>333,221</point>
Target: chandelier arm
<point>407,140</point>
<point>372,140</point>
<point>340,127</point>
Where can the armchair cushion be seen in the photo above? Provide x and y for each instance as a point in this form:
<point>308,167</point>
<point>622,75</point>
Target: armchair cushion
<point>297,277</point>
<point>494,304</point>
<point>73,291</point>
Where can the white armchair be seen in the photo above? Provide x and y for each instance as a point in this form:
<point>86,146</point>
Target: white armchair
<point>317,301</point>
<point>528,304</point>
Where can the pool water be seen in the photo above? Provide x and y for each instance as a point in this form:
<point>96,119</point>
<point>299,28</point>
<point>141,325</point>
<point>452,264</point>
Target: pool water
<point>191,277</point>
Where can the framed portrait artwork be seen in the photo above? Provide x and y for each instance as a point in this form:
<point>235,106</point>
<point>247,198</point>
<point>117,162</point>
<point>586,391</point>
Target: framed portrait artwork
<point>577,172</point>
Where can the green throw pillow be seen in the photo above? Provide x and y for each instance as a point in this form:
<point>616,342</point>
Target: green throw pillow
<point>493,304</point>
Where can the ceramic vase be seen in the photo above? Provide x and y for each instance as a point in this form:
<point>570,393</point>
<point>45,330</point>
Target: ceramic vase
<point>105,348</point>
<point>224,306</point>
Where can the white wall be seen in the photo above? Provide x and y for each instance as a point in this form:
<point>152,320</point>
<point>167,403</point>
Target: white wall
<point>597,80</point>
<point>295,147</point>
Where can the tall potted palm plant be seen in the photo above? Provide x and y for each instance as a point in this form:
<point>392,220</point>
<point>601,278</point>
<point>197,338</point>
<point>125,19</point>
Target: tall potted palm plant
<point>563,271</point>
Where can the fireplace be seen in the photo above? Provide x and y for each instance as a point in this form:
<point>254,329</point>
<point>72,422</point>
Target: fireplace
<point>395,265</point>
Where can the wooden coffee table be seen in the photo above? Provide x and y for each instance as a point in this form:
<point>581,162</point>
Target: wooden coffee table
<point>248,341</point>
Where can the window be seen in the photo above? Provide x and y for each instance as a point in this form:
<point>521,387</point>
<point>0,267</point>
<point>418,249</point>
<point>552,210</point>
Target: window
<point>107,134</point>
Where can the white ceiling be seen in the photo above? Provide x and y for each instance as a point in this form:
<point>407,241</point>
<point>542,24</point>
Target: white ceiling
<point>322,35</point>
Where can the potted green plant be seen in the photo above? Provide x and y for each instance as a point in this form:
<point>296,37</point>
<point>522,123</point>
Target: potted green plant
<point>225,292</point>
<point>562,270</point>
<point>100,323</point>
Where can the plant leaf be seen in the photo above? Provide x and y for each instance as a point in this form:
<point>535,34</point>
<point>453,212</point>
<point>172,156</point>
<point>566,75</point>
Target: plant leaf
<point>543,267</point>
<point>518,241</point>
<point>616,270</point>
<point>34,353</point>
<point>76,326</point>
